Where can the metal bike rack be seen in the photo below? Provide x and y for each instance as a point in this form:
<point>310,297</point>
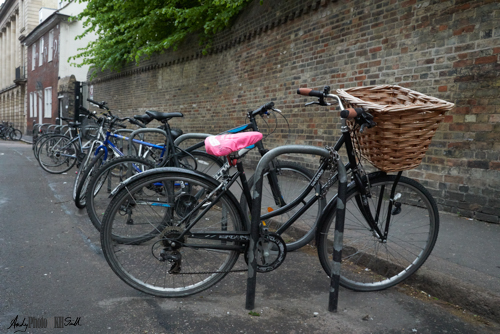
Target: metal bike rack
<point>187,136</point>
<point>138,131</point>
<point>255,213</point>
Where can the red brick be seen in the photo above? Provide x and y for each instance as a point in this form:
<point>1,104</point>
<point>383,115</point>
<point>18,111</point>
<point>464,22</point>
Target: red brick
<point>404,50</point>
<point>442,88</point>
<point>481,127</point>
<point>496,50</point>
<point>486,60</point>
<point>483,110</point>
<point>462,63</point>
<point>458,127</point>
<point>462,30</point>
<point>448,119</point>
<point>495,165</point>
<point>443,27</point>
<point>377,49</point>
<point>461,110</point>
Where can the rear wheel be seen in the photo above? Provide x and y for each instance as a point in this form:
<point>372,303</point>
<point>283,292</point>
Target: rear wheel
<point>370,263</point>
<point>168,265</point>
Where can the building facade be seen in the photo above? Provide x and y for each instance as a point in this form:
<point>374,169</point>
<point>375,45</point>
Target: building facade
<point>50,88</point>
<point>17,19</point>
<point>43,71</point>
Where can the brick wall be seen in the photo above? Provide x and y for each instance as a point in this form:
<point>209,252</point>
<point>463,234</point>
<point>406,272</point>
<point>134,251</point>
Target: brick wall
<point>447,49</point>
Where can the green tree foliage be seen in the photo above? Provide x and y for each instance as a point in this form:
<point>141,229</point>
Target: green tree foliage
<point>128,30</point>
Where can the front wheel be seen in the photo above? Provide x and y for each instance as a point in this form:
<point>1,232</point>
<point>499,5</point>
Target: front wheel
<point>370,263</point>
<point>16,134</point>
<point>81,189</point>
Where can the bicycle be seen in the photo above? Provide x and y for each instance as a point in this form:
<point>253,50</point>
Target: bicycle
<point>8,132</point>
<point>204,220</point>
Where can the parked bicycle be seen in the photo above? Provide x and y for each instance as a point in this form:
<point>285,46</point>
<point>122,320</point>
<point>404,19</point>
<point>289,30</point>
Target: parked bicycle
<point>8,132</point>
<point>188,232</point>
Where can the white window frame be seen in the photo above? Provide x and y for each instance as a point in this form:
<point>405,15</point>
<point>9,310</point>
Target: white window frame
<point>31,105</point>
<point>35,113</point>
<point>33,56</point>
<point>40,53</point>
<point>40,102</point>
<point>51,46</point>
<point>48,103</point>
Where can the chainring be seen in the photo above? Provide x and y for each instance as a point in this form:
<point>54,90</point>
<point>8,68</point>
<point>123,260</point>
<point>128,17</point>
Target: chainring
<point>270,253</point>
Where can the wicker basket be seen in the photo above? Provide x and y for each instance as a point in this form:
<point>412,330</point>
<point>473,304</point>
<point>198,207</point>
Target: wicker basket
<point>406,122</point>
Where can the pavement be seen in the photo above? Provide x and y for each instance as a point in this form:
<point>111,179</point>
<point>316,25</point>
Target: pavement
<point>463,269</point>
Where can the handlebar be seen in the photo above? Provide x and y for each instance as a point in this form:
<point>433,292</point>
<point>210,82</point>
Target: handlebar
<point>262,109</point>
<point>310,92</point>
<point>362,117</point>
<point>101,105</point>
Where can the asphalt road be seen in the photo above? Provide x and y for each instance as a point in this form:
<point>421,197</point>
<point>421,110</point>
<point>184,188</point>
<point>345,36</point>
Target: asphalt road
<point>52,273</point>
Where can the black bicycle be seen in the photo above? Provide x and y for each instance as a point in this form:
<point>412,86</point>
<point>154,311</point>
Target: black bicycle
<point>189,229</point>
<point>8,132</point>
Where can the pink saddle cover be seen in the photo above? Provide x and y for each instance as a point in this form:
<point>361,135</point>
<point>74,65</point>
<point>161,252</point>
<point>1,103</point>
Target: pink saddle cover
<point>226,144</point>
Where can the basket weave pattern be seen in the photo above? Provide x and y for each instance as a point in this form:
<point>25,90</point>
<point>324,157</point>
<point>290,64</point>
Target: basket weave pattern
<point>406,122</point>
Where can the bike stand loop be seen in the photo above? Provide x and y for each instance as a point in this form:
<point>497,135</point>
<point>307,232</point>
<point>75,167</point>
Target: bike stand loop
<point>256,219</point>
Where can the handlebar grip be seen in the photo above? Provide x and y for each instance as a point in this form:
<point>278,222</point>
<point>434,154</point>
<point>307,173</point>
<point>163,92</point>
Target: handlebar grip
<point>309,92</point>
<point>120,125</point>
<point>94,102</point>
<point>351,112</point>
<point>268,106</point>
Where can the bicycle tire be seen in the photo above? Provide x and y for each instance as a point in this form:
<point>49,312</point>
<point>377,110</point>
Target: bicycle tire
<point>105,180</point>
<point>292,179</point>
<point>83,165</point>
<point>39,141</point>
<point>204,162</point>
<point>369,264</point>
<point>16,134</point>
<point>57,154</point>
<point>201,267</point>
<point>81,190</point>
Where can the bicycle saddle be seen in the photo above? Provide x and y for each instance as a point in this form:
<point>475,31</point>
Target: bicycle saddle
<point>143,118</point>
<point>226,144</point>
<point>163,116</point>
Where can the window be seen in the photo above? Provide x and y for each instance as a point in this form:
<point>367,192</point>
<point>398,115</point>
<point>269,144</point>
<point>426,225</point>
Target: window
<point>33,55</point>
<point>31,105</point>
<point>40,59</point>
<point>51,45</point>
<point>40,102</point>
<point>48,103</point>
<point>33,95</point>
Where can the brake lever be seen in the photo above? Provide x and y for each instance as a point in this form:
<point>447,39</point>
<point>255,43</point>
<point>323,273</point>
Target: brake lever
<point>274,109</point>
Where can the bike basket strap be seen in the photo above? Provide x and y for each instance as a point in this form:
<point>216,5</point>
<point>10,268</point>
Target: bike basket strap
<point>226,144</point>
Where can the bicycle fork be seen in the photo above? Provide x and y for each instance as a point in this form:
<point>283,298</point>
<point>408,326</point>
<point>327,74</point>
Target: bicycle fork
<point>364,208</point>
